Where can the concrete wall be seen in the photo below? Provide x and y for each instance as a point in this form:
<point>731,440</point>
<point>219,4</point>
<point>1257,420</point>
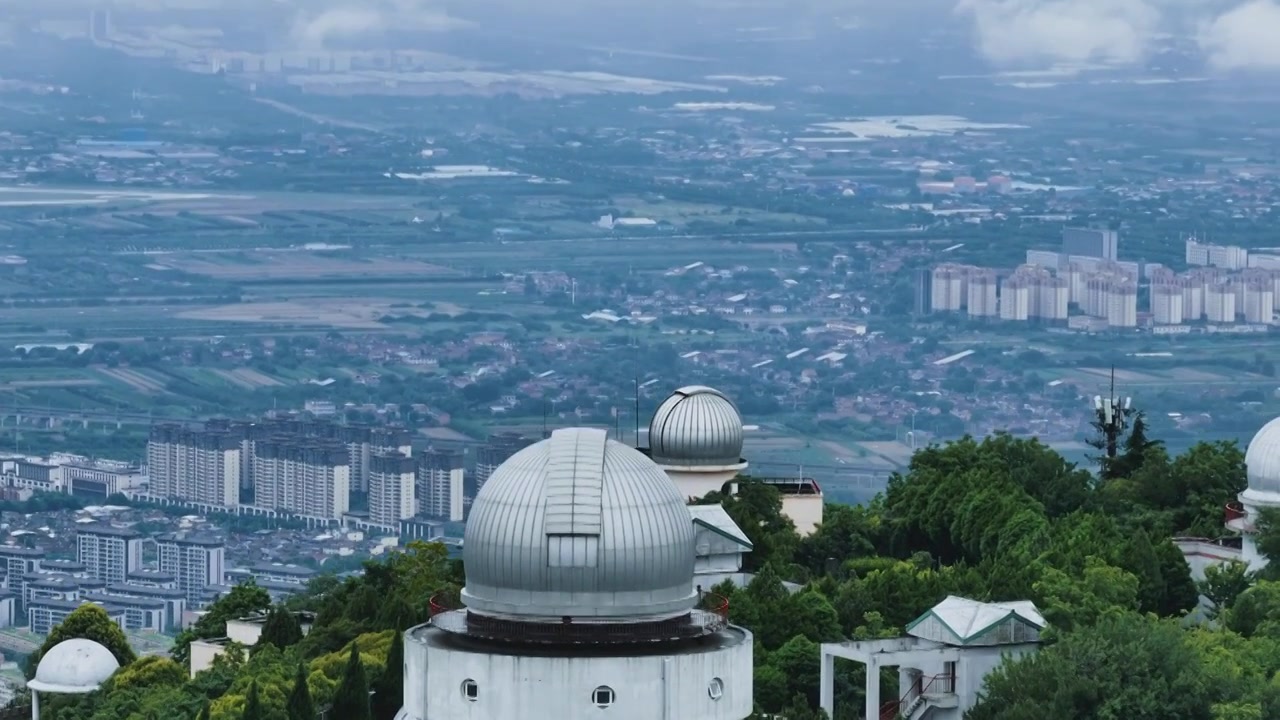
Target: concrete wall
<point>245,633</point>
<point>203,653</point>
<point>698,482</point>
<point>730,562</point>
<point>805,512</point>
<point>1200,555</point>
<point>656,687</point>
<point>972,667</point>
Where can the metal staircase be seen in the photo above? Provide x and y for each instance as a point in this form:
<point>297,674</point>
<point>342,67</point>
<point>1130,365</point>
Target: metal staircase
<point>920,698</point>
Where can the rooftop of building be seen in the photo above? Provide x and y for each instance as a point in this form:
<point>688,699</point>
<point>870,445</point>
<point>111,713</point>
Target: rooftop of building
<point>108,530</point>
<point>202,540</point>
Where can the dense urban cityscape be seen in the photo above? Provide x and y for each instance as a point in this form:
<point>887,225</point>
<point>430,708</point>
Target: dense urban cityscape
<point>679,361</point>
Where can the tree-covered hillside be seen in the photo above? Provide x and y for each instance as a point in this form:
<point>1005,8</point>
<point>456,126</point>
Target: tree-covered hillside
<point>996,519</point>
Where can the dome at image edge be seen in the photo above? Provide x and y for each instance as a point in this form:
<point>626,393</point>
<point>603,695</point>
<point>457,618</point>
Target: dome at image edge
<point>696,426</point>
<point>578,525</point>
<point>1262,459</point>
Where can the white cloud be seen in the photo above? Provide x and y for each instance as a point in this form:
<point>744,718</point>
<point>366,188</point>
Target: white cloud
<point>315,27</point>
<point>1247,36</point>
<point>1012,31</point>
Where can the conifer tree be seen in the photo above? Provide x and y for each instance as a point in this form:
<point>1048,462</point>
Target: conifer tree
<point>280,629</point>
<point>388,694</point>
<point>300,706</point>
<point>205,712</point>
<point>351,702</point>
<point>252,705</point>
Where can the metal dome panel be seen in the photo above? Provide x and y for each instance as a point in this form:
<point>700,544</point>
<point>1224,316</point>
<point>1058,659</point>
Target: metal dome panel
<point>696,426</point>
<point>579,526</point>
<point>1262,459</point>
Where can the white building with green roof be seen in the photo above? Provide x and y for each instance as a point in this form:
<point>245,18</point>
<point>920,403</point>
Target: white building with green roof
<point>942,660</point>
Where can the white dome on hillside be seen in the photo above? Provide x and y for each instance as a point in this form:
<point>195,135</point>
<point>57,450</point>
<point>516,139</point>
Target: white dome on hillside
<point>74,667</point>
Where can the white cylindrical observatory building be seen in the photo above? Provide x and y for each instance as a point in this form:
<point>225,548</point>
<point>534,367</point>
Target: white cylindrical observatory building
<point>579,600</point>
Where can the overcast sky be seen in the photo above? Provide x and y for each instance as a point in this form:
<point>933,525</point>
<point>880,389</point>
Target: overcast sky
<point>1233,34</point>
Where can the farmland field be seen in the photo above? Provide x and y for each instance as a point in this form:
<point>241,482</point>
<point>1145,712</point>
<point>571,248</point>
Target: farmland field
<point>140,380</point>
<point>296,265</point>
<point>334,313</point>
<point>248,378</point>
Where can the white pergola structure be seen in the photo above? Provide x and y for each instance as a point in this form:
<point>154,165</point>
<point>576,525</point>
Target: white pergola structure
<point>942,661</point>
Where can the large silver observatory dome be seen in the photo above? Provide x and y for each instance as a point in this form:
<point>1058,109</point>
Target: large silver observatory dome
<point>1262,459</point>
<point>696,426</point>
<point>579,527</point>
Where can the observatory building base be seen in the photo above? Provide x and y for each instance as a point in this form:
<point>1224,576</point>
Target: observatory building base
<point>452,677</point>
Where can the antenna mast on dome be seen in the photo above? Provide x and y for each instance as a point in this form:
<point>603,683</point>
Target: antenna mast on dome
<point>637,412</point>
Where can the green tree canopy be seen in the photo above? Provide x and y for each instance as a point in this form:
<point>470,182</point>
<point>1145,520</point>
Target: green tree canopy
<point>281,629</point>
<point>1126,666</point>
<point>244,600</point>
<point>352,698</point>
<point>388,689</point>
<point>300,706</point>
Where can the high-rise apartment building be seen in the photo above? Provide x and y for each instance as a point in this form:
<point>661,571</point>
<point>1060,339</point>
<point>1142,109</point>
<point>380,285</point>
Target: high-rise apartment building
<point>302,475</point>
<point>1052,298</point>
<point>391,488</point>
<point>109,553</point>
<point>1167,304</point>
<point>1259,300</point>
<point>16,564</point>
<point>1046,259</point>
<point>198,562</point>
<point>981,294</point>
<point>923,295</point>
<point>1122,304</point>
<point>1015,298</point>
<point>199,465</point>
<point>947,293</point>
<point>361,442</point>
<point>1220,302</point>
<point>383,441</point>
<point>439,489</point>
<point>1227,257</point>
<point>1091,242</point>
<point>497,450</point>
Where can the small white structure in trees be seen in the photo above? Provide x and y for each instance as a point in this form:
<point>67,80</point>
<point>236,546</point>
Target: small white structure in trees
<point>942,661</point>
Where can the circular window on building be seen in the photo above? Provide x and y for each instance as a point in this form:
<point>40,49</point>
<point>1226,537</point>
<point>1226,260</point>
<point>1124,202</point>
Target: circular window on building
<point>470,690</point>
<point>602,696</point>
<point>715,689</point>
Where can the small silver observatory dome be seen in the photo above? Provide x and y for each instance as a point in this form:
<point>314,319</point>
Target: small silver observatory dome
<point>696,426</point>
<point>74,666</point>
<point>578,526</point>
<point>1262,459</point>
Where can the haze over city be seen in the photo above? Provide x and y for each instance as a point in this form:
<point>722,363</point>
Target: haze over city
<point>697,360</point>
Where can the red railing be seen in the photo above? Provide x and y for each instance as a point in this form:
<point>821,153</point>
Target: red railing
<point>715,603</point>
<point>918,689</point>
<point>1234,511</point>
<point>440,604</point>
